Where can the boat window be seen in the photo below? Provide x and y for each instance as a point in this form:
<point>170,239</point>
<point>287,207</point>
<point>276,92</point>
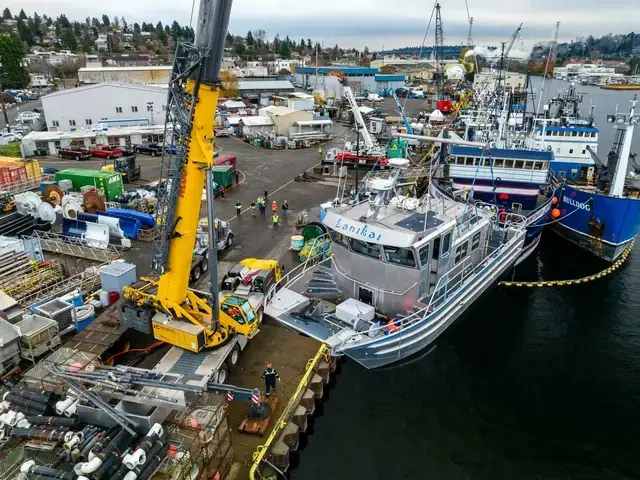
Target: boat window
<point>339,238</point>
<point>469,161</point>
<point>475,242</point>
<point>436,248</point>
<point>547,133</point>
<point>528,165</point>
<point>571,150</point>
<point>477,161</point>
<point>574,134</point>
<point>584,151</point>
<point>593,134</point>
<point>555,134</point>
<point>519,164</point>
<point>400,256</point>
<point>537,165</point>
<point>508,164</point>
<point>461,252</point>
<point>446,243</point>
<point>364,248</point>
<point>424,256</point>
<point>498,163</point>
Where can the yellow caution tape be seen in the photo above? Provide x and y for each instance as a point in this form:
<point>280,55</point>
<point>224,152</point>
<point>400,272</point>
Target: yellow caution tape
<point>561,283</point>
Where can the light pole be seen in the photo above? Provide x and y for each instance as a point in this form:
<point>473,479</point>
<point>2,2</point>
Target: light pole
<point>4,109</point>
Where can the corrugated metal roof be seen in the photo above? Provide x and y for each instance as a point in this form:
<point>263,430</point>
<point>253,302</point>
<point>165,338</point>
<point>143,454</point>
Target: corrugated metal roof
<point>264,85</point>
<point>345,70</point>
<point>234,104</point>
<point>256,121</point>
<point>129,86</point>
<point>501,153</point>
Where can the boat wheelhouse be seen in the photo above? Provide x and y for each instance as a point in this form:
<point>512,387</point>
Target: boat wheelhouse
<point>570,145</point>
<point>500,176</point>
<point>401,270</point>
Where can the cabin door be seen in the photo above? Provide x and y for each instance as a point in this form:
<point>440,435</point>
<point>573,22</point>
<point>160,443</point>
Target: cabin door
<point>434,266</point>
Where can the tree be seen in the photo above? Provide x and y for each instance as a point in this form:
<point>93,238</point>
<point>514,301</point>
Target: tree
<point>366,50</point>
<point>309,45</point>
<point>285,50</point>
<point>6,14</point>
<point>105,21</point>
<point>116,22</point>
<point>76,29</point>
<point>69,40</point>
<point>22,15</point>
<point>239,48</point>
<point>176,31</point>
<point>123,22</point>
<point>95,22</point>
<point>63,21</point>
<point>15,75</point>
<point>230,85</point>
<point>161,36</point>
<point>250,40</point>
<point>136,28</point>
<point>24,33</point>
<point>87,44</point>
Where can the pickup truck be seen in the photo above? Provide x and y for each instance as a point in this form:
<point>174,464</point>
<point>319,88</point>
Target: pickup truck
<point>152,149</point>
<point>77,153</point>
<point>106,151</point>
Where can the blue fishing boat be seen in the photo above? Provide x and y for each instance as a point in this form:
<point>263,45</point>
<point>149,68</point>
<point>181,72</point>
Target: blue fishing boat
<point>603,215</point>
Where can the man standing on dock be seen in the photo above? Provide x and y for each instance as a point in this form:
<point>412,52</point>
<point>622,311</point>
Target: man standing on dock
<point>270,376</point>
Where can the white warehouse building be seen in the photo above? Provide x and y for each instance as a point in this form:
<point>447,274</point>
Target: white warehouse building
<point>104,105</point>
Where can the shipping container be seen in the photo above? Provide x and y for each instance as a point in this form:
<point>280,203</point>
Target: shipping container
<point>110,183</point>
<point>32,167</point>
<point>5,177</point>
<point>223,175</point>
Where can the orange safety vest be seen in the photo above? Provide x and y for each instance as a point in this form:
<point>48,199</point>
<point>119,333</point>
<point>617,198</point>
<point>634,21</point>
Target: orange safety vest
<point>274,207</point>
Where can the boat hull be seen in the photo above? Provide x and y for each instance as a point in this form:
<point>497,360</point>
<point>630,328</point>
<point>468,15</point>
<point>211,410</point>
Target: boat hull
<point>419,336</point>
<point>600,224</point>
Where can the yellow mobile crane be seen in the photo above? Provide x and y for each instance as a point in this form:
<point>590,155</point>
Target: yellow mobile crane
<point>178,315</point>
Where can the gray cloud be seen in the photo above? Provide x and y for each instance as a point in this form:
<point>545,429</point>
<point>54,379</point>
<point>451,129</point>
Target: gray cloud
<point>356,23</point>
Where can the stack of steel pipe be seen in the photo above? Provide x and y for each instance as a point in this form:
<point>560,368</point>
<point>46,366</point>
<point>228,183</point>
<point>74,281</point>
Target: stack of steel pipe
<point>157,453</point>
<point>31,471</point>
<point>30,401</point>
<point>105,456</point>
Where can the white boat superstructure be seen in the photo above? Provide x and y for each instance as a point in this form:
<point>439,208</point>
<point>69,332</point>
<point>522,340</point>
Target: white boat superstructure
<point>401,270</point>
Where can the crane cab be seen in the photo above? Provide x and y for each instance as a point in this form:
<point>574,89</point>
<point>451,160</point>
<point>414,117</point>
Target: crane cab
<point>243,314</point>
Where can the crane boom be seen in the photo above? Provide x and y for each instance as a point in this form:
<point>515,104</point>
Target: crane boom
<point>404,117</point>
<point>357,115</point>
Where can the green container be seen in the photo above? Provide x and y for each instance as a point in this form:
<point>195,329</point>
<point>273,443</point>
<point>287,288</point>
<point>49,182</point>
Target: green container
<point>109,182</point>
<point>223,175</point>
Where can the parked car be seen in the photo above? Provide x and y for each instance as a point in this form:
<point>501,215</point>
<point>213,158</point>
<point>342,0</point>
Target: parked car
<point>221,132</point>
<point>7,138</point>
<point>76,153</point>
<point>152,149</point>
<point>106,151</point>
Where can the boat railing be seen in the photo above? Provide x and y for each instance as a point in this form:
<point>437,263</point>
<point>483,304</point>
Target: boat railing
<point>297,272</point>
<point>446,286</point>
<point>369,286</point>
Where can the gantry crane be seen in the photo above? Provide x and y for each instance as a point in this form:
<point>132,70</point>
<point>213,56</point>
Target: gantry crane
<point>187,318</point>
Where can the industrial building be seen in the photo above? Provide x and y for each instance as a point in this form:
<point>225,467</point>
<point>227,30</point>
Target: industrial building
<point>361,79</point>
<point>256,88</point>
<point>284,118</point>
<point>145,75</point>
<point>512,80</point>
<point>39,143</point>
<point>104,105</point>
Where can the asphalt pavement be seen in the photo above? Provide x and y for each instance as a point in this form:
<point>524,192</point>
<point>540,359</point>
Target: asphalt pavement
<point>13,113</point>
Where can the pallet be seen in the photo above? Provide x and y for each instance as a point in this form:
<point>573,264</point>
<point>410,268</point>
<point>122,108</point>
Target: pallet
<point>259,427</point>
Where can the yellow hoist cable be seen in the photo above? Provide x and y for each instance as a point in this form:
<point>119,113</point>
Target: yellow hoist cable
<point>562,283</point>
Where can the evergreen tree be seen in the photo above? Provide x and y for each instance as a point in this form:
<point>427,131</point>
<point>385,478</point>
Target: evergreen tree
<point>12,53</point>
<point>24,33</point>
<point>250,40</point>
<point>76,29</point>
<point>69,39</point>
<point>309,45</point>
<point>176,31</point>
<point>136,28</point>
<point>123,22</point>
<point>63,21</point>
<point>105,21</point>
<point>161,36</point>
<point>87,44</point>
<point>6,14</point>
<point>285,50</point>
<point>22,15</point>
<point>116,22</point>
<point>95,22</point>
<point>37,25</point>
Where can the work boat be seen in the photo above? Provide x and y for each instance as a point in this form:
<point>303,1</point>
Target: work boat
<point>603,216</point>
<point>401,270</point>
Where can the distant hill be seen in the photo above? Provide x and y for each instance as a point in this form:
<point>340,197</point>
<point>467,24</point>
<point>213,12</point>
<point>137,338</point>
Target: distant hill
<point>621,46</point>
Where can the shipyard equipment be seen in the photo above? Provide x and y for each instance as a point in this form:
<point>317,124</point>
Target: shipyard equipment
<point>183,317</point>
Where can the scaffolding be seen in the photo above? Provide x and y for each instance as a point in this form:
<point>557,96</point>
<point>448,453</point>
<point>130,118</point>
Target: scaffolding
<point>74,247</point>
<point>26,185</point>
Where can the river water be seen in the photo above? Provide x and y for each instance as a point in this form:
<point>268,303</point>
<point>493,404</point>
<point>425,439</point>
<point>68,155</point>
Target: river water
<point>536,383</point>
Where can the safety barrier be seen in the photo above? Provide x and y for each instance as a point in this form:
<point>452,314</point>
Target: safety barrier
<point>577,281</point>
<point>262,450</point>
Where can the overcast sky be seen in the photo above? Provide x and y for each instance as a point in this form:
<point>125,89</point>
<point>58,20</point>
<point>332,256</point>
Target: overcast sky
<point>356,23</point>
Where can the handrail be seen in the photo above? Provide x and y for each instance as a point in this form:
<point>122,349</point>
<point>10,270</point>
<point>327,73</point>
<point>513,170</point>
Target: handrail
<point>286,277</point>
<point>261,450</point>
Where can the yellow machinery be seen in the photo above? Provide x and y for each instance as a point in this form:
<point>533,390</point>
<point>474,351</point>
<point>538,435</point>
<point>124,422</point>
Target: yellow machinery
<point>186,318</point>
<point>258,264</point>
